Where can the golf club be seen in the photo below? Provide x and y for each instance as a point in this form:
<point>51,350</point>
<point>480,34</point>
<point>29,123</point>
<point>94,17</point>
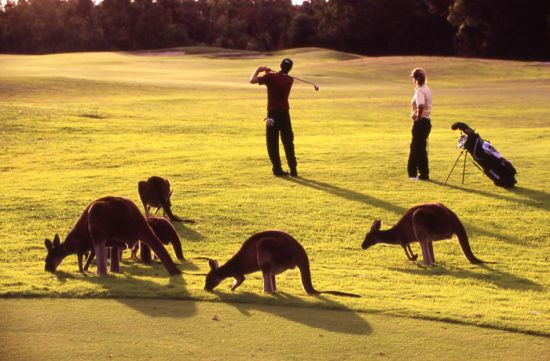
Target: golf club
<point>315,86</point>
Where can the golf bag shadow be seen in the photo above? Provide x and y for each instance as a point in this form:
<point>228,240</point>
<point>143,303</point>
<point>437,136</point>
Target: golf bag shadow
<point>486,157</point>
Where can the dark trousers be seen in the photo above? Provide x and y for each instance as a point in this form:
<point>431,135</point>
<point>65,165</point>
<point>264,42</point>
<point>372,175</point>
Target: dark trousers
<point>281,126</point>
<point>418,157</point>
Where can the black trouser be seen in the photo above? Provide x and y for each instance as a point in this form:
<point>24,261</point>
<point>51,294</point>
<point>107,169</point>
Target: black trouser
<point>418,157</point>
<point>282,125</point>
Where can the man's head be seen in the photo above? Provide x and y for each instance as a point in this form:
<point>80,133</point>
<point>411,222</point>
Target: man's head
<point>419,75</point>
<point>286,65</point>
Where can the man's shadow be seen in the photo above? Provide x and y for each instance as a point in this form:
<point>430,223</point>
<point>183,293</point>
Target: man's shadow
<point>378,203</point>
<point>340,319</point>
<point>347,194</point>
<point>536,199</point>
<point>500,279</point>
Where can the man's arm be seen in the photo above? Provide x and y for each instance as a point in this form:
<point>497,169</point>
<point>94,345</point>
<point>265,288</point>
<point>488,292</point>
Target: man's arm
<point>419,100</point>
<point>254,76</point>
<point>420,111</point>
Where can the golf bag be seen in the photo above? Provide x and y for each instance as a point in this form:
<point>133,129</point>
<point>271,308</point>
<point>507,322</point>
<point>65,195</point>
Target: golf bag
<point>486,157</point>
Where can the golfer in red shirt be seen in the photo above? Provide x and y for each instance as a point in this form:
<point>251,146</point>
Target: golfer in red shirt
<point>278,116</point>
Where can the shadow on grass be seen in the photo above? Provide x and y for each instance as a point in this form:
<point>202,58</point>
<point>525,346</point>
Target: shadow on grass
<point>362,198</point>
<point>187,233</point>
<point>347,321</point>
<point>500,279</point>
<point>536,198</point>
<point>347,194</point>
<point>136,292</point>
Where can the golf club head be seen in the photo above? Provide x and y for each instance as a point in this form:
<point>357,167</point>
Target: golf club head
<point>316,87</point>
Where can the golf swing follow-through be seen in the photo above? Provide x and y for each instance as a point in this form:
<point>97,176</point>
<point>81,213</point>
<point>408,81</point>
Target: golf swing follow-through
<point>278,121</point>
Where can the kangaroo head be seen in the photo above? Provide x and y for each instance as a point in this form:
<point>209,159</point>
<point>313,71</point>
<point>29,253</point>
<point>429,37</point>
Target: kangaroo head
<point>212,278</point>
<point>55,255</point>
<point>371,238</point>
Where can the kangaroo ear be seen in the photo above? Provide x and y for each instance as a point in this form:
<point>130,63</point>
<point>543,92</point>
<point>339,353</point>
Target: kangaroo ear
<point>213,264</point>
<point>376,225</point>
<point>56,241</point>
<point>48,244</point>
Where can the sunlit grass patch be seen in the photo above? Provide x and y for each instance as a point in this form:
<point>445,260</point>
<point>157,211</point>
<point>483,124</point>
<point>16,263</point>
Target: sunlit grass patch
<point>76,127</point>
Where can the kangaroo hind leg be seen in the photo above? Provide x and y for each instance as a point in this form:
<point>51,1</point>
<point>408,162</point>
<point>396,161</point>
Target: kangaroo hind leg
<point>115,260</point>
<point>421,221</point>
<point>273,282</point>
<point>268,282</point>
<point>101,258</point>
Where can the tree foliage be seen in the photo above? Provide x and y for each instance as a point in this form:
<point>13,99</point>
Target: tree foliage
<point>490,28</point>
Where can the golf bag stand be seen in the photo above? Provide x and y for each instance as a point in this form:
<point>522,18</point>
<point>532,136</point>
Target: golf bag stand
<point>484,156</point>
<point>462,152</point>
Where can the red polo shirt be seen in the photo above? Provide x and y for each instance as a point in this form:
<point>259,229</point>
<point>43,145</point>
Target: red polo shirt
<point>278,90</point>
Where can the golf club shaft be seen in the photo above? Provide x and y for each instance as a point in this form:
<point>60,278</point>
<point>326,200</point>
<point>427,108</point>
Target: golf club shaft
<point>302,80</point>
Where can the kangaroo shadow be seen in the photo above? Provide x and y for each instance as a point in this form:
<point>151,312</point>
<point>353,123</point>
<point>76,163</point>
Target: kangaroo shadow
<point>188,233</point>
<point>362,198</point>
<point>340,319</point>
<point>500,279</point>
<point>537,199</point>
<point>136,292</point>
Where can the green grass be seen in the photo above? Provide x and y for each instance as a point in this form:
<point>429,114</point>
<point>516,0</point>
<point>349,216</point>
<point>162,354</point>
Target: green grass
<point>75,127</point>
<point>130,329</point>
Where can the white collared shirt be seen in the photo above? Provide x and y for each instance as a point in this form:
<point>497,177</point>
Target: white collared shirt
<point>422,96</point>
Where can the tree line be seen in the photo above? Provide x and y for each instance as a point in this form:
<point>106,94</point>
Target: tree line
<point>518,29</point>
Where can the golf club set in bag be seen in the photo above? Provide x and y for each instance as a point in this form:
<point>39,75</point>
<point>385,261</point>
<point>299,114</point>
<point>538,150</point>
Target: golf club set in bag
<point>484,156</point>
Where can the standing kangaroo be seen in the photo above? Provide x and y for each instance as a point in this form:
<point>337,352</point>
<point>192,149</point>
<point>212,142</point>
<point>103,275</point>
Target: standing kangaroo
<point>108,221</point>
<point>155,192</point>
<point>271,252</point>
<point>424,223</point>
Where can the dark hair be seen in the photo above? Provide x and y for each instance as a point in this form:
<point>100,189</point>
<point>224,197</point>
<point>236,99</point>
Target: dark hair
<point>419,75</point>
<point>286,65</point>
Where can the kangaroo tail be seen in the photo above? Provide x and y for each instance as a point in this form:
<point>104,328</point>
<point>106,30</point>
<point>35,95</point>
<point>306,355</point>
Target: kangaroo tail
<point>305,273</point>
<point>464,243</point>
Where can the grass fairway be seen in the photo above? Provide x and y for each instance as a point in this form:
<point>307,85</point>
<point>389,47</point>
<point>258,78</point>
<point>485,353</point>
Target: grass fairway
<point>131,329</point>
<point>75,127</point>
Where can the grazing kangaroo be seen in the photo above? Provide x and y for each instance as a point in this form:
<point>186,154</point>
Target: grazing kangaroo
<point>271,252</point>
<point>164,230</point>
<point>167,234</point>
<point>155,192</point>
<point>108,221</point>
<point>424,223</point>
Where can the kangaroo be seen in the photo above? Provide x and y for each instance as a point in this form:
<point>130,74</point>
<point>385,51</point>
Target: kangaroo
<point>166,233</point>
<point>424,223</point>
<point>108,221</point>
<point>155,192</point>
<point>164,230</point>
<point>271,252</point>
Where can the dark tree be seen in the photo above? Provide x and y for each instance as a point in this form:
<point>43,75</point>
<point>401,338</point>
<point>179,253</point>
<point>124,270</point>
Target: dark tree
<point>492,28</point>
